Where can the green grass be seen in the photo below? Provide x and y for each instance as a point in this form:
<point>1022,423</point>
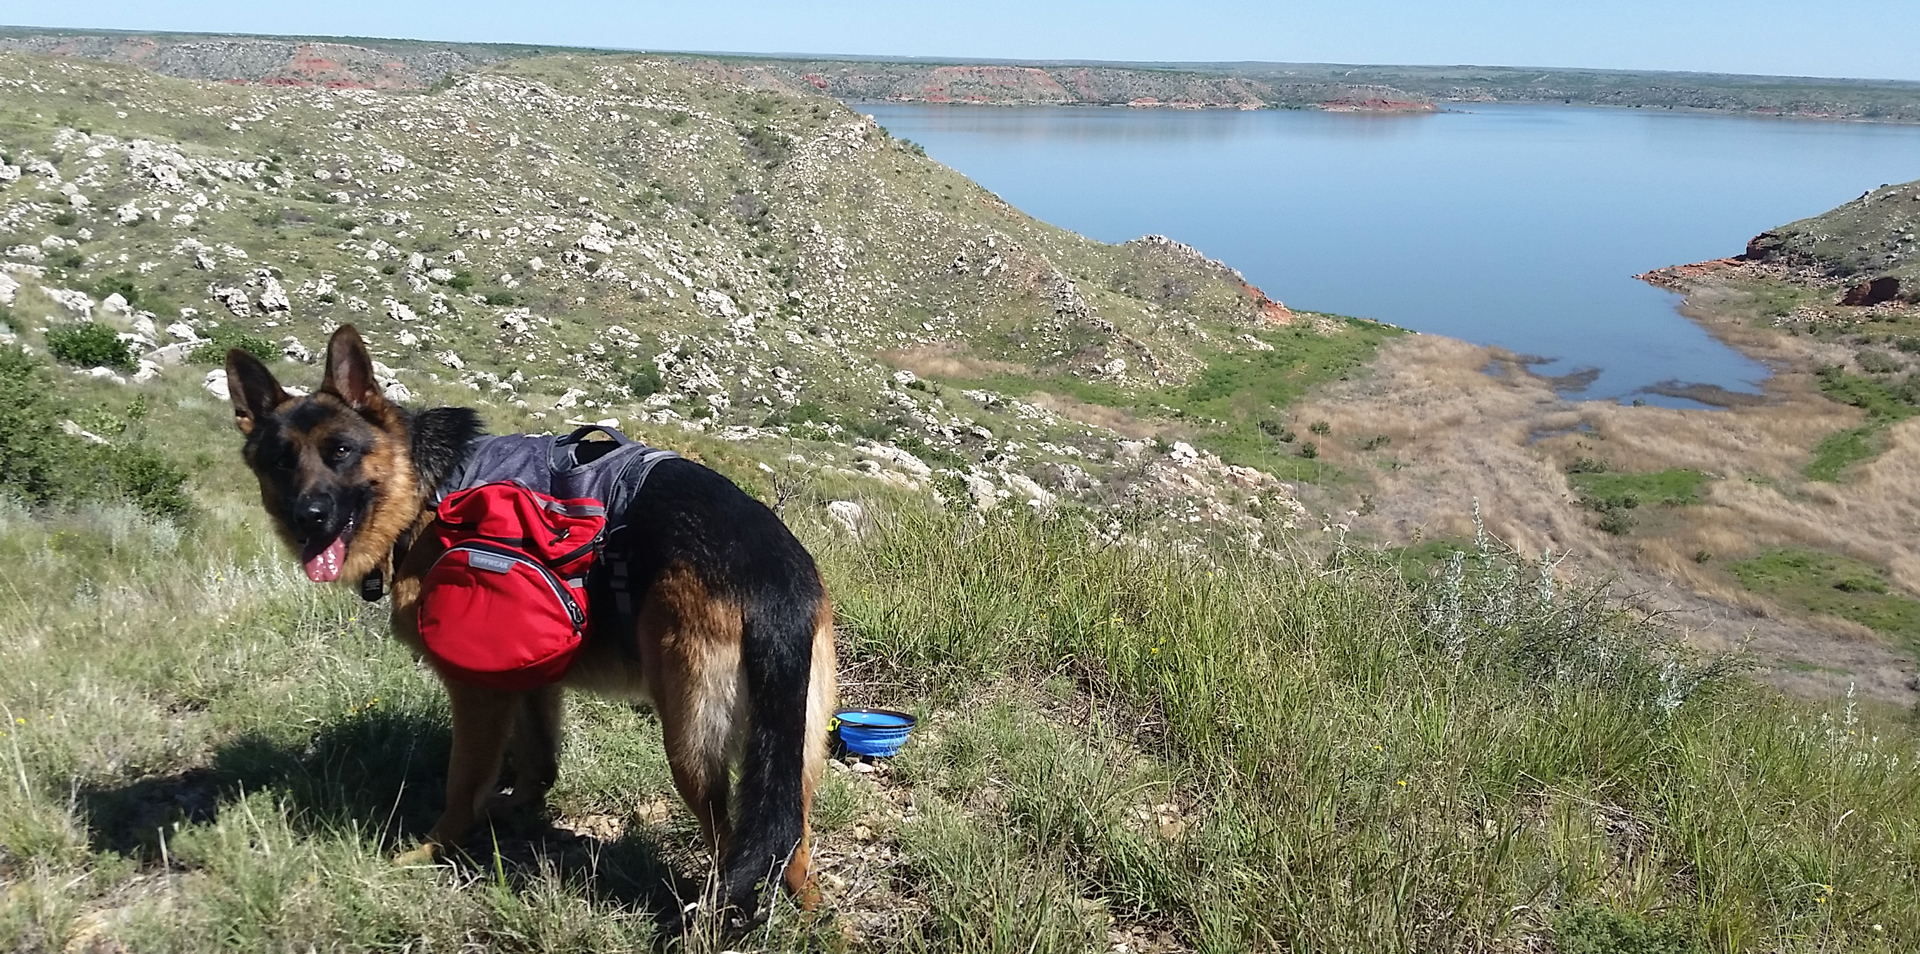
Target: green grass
<point>1616,497</point>
<point>1222,407</point>
<point>1833,585</point>
<point>1356,762</point>
<point>1885,406</point>
<point>1674,487</point>
<point>1842,449</point>
<point>1238,390</point>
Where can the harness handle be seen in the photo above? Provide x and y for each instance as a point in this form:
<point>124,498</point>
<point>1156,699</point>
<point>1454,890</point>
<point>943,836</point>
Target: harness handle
<point>580,434</point>
<point>565,455</point>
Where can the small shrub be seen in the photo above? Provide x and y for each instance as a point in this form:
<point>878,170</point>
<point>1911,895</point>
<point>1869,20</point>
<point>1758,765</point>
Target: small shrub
<point>1596,930</point>
<point>1587,465</point>
<point>1309,450</point>
<point>89,345</point>
<point>1376,442</point>
<point>42,465</point>
<point>222,340</point>
<point>875,429</point>
<point>1616,520</point>
<point>1875,361</point>
<point>148,479</point>
<point>645,382</point>
<point>461,280</point>
<point>501,299</point>
<point>389,268</point>
<point>119,285</point>
<point>64,219</point>
<point>1321,428</point>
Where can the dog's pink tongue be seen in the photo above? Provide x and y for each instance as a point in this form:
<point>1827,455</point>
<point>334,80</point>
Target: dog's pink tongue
<point>324,566</point>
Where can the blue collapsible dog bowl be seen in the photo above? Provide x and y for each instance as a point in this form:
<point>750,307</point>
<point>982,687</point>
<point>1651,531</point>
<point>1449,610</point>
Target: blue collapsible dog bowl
<point>873,731</point>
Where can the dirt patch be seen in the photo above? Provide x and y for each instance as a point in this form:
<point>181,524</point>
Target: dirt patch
<point>949,360</point>
<point>1095,415</point>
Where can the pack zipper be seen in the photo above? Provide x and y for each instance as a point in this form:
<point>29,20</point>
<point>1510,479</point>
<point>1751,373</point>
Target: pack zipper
<point>560,589</point>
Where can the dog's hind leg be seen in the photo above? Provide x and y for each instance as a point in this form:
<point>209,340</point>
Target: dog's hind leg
<point>535,750</point>
<point>690,651</point>
<point>698,728</point>
<point>482,722</point>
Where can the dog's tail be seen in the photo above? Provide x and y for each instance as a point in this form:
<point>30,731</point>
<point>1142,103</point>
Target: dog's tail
<point>788,658</point>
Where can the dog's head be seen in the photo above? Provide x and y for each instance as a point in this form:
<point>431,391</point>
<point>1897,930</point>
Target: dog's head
<point>334,470</point>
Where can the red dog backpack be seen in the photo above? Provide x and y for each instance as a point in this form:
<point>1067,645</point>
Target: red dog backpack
<point>505,606</point>
<point>523,524</point>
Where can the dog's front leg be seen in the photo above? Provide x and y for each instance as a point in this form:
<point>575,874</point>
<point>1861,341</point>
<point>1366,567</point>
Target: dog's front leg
<point>482,723</point>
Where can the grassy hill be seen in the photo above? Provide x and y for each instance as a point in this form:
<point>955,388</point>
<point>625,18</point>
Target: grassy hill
<point>1163,708</point>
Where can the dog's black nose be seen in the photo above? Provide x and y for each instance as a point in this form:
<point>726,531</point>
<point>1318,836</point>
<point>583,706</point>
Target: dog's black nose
<point>311,516</point>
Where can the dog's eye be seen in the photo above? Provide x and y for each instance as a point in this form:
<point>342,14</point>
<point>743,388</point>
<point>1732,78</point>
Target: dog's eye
<point>286,459</point>
<point>338,453</point>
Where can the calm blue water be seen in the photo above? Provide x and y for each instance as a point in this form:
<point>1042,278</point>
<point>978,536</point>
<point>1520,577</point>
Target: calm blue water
<point>1513,225</point>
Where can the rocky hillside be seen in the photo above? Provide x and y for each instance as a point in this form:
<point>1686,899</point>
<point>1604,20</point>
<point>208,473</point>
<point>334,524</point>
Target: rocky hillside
<point>581,238</point>
<point>1080,85</point>
<point>331,62</point>
<point>1873,242</point>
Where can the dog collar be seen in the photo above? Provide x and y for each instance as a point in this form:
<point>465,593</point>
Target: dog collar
<point>373,586</point>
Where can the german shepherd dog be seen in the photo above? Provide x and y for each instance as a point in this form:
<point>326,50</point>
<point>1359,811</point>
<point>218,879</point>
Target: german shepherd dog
<point>733,644</point>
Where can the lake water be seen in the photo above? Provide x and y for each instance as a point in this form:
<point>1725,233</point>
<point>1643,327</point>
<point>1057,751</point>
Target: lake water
<point>1513,225</point>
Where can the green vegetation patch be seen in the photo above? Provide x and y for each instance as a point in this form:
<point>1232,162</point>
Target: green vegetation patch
<point>42,464</point>
<point>1673,487</point>
<point>87,344</point>
<point>1842,449</point>
<point>1232,406</point>
<point>1829,584</point>
<point>1616,496</point>
<point>1886,404</point>
<point>225,339</point>
<point>1242,390</point>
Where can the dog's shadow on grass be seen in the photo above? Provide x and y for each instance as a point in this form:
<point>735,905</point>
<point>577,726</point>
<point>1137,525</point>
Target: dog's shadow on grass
<point>382,773</point>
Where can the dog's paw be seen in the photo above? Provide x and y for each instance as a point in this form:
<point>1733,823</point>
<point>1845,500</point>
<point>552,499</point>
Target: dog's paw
<point>426,854</point>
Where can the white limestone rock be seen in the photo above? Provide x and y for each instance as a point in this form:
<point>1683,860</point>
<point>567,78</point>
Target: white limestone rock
<point>273,298</point>
<point>235,300</point>
<point>849,515</point>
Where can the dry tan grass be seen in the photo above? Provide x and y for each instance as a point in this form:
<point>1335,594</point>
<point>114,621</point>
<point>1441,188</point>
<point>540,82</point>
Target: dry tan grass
<point>1096,415</point>
<point>948,361</point>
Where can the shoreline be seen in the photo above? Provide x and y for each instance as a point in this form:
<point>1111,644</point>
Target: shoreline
<point>1460,439</point>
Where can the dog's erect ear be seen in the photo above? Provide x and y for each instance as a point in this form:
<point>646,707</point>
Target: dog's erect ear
<point>350,371</point>
<point>251,388</point>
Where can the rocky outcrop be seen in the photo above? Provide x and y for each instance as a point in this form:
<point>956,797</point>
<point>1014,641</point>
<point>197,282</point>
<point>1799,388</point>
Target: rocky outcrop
<point>1872,292</point>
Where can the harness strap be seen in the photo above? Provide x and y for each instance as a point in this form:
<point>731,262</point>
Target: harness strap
<point>619,574</point>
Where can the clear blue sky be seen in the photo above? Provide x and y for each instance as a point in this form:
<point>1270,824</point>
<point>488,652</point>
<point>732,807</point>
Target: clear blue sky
<point>1860,38</point>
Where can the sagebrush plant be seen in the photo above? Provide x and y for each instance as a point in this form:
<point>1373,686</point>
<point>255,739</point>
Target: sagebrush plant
<point>225,338</point>
<point>89,344</point>
<point>41,463</point>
